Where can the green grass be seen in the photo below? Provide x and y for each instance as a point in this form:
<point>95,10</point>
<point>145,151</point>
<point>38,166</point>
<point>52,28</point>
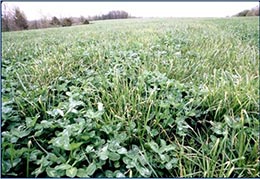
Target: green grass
<point>132,98</point>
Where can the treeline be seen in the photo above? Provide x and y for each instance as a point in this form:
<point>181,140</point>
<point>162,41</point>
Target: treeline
<point>15,19</point>
<point>111,15</point>
<point>252,12</point>
<point>57,22</point>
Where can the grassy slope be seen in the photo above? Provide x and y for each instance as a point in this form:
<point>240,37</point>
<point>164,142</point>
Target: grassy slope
<point>187,84</point>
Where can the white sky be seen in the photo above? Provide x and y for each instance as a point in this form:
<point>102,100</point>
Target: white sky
<point>36,10</point>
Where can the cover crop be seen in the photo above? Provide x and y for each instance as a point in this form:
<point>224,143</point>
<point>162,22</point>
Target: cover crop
<point>132,98</point>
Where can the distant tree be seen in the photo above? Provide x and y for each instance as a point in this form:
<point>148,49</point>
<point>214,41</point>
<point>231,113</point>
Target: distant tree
<point>55,21</point>
<point>20,19</point>
<point>5,25</point>
<point>112,15</point>
<point>117,15</point>
<point>66,22</point>
<point>82,19</point>
<point>44,23</point>
<point>6,18</point>
<point>124,14</point>
<point>86,21</point>
<point>243,13</point>
<point>104,17</point>
<point>250,13</point>
<point>34,24</point>
<point>253,12</point>
<point>257,11</point>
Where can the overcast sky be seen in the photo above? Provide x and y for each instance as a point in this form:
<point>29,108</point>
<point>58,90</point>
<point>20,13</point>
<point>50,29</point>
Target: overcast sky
<point>36,10</point>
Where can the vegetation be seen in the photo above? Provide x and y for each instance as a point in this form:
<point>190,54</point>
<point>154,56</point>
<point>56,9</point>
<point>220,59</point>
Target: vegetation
<point>20,19</point>
<point>132,98</point>
<point>55,21</point>
<point>66,22</point>
<point>86,21</point>
<point>15,19</point>
<point>253,12</point>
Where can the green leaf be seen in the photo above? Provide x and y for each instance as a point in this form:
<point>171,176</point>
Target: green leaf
<point>89,149</point>
<point>16,161</point>
<point>171,164</point>
<point>100,107</point>
<point>82,173</point>
<point>55,112</point>
<point>91,169</point>
<point>107,129</point>
<point>113,145</point>
<point>43,161</point>
<point>117,164</point>
<point>164,157</point>
<point>129,163</point>
<point>154,132</point>
<point>118,174</point>
<point>145,172</point>
<point>154,146</point>
<point>113,156</point>
<point>63,167</point>
<point>109,174</point>
<point>30,121</point>
<point>14,139</point>
<point>121,137</point>
<point>63,141</point>
<point>6,110</point>
<point>75,145</point>
<point>34,154</point>
<point>167,148</point>
<point>163,143</point>
<point>219,128</point>
<point>39,132</point>
<point>6,166</point>
<point>52,157</point>
<point>20,132</point>
<point>168,166</point>
<point>132,125</point>
<point>100,164</point>
<point>148,129</point>
<point>133,153</point>
<point>73,103</point>
<point>71,172</point>
<point>45,124</point>
<point>122,150</point>
<point>51,172</point>
<point>103,154</point>
<point>38,171</point>
<point>91,114</point>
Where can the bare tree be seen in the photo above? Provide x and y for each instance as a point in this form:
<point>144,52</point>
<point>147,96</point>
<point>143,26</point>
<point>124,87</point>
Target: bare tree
<point>44,22</point>
<point>34,24</point>
<point>82,19</point>
<point>7,19</point>
<point>20,19</point>
<point>253,12</point>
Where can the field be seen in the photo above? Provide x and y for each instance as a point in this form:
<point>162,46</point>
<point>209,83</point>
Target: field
<point>174,97</point>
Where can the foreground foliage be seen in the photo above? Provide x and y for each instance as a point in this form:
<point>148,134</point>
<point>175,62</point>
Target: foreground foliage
<point>132,98</point>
